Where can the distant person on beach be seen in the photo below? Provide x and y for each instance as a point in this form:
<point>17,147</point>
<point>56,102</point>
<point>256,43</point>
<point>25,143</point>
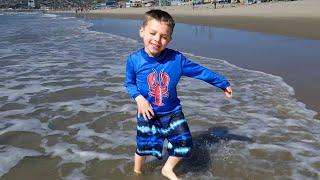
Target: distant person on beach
<point>215,4</point>
<point>152,75</point>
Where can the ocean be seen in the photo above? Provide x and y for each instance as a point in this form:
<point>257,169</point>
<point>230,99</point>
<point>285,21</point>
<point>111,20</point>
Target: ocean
<point>64,113</point>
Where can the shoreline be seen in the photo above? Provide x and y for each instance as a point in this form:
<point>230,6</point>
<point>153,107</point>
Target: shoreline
<point>294,18</point>
<point>287,26</point>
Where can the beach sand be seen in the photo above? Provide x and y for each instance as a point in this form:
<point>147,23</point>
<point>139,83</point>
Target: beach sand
<point>299,19</point>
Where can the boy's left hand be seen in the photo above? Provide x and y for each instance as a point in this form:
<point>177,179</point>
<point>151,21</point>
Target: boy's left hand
<point>228,92</point>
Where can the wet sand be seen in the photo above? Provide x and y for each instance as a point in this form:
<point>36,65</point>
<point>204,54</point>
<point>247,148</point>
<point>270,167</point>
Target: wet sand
<point>299,19</point>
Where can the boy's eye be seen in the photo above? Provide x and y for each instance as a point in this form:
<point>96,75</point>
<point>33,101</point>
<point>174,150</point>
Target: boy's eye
<point>166,37</point>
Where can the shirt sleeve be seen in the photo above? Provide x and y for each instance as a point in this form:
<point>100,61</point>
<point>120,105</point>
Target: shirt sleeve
<point>197,71</point>
<point>130,81</point>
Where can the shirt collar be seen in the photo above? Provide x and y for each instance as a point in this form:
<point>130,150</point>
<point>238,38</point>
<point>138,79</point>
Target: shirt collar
<point>159,58</point>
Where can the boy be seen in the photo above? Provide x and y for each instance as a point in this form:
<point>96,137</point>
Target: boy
<point>152,75</point>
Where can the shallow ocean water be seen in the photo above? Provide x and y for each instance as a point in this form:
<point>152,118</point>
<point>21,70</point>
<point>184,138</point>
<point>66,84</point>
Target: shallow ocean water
<point>64,113</point>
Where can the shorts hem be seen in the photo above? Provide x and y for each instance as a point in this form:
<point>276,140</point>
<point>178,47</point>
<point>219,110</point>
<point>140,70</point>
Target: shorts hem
<point>148,154</point>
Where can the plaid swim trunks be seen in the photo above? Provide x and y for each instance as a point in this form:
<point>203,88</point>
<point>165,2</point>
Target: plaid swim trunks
<point>152,133</point>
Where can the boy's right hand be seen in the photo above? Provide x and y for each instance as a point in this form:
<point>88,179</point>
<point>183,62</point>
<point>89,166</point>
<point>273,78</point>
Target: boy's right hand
<point>144,107</point>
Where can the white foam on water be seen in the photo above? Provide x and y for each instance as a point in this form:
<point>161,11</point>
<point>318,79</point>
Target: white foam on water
<point>29,125</point>
<point>21,95</point>
<point>50,15</point>
<point>116,138</point>
<point>10,156</point>
<point>12,13</point>
<point>15,112</point>
<point>90,105</point>
<point>68,17</point>
<point>76,106</point>
<point>72,153</point>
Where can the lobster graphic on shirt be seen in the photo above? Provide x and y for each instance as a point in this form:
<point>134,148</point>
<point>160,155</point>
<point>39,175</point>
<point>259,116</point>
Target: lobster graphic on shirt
<point>158,86</point>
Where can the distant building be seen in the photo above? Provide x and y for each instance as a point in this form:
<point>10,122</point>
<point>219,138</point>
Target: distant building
<point>164,2</point>
<point>111,4</point>
<point>100,6</point>
<point>148,3</point>
<point>135,3</point>
<point>31,4</point>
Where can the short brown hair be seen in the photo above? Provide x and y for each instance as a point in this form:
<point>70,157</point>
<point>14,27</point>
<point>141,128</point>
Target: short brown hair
<point>159,15</point>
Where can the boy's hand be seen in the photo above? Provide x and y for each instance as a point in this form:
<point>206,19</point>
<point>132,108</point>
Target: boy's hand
<point>228,92</point>
<point>144,107</point>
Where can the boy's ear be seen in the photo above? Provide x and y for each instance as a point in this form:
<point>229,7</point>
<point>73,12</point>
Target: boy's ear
<point>141,31</point>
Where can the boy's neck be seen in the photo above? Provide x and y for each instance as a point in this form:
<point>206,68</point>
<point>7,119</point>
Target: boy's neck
<point>151,55</point>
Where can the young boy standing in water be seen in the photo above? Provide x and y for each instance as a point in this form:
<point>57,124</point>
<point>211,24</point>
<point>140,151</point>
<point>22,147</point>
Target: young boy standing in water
<point>152,75</point>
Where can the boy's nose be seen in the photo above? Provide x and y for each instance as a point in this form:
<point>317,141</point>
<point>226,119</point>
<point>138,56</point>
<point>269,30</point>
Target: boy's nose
<point>157,38</point>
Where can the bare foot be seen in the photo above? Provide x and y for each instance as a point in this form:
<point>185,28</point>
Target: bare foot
<point>136,172</point>
<point>137,175</point>
<point>169,174</point>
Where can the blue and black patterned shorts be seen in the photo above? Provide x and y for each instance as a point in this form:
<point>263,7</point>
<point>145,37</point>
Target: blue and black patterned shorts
<point>152,133</point>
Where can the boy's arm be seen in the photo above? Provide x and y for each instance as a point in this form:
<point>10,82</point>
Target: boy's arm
<point>130,81</point>
<point>143,105</point>
<point>197,71</point>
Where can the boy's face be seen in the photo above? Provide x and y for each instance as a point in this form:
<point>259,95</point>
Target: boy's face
<point>156,36</point>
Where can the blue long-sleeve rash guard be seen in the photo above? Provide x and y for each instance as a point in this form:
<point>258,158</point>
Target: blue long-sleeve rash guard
<point>156,78</point>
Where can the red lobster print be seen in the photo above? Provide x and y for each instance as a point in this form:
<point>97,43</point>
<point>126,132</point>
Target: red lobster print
<point>158,86</point>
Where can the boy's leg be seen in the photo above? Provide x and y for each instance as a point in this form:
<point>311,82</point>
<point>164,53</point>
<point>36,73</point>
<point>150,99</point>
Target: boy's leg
<point>138,163</point>
<point>167,169</point>
<point>179,144</point>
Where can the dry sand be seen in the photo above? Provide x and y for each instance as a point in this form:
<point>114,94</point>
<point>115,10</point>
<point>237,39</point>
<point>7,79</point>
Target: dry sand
<point>292,18</point>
